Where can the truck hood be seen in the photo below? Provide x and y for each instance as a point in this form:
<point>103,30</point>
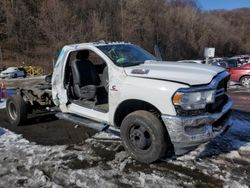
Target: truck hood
<point>187,73</point>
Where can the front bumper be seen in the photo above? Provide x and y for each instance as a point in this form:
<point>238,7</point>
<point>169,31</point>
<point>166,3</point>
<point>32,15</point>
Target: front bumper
<point>188,132</point>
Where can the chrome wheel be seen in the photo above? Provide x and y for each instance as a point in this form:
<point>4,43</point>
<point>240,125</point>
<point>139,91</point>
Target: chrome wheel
<point>245,81</point>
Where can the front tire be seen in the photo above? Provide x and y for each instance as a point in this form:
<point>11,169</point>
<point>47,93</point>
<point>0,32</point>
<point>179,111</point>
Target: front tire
<point>143,136</point>
<point>16,110</point>
<point>245,81</point>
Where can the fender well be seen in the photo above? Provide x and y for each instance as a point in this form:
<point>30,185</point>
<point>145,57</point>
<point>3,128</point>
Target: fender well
<point>243,76</point>
<point>131,105</point>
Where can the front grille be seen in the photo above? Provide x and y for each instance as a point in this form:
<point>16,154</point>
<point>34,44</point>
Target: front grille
<point>182,112</point>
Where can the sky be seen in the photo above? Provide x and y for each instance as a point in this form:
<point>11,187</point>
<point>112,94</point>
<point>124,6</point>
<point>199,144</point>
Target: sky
<point>223,4</point>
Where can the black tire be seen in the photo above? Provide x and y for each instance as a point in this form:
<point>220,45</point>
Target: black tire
<point>245,81</point>
<point>16,110</point>
<point>15,76</point>
<point>144,136</point>
<point>48,78</point>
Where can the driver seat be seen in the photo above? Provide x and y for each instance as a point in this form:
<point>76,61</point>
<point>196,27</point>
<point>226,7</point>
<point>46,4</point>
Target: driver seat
<point>85,76</point>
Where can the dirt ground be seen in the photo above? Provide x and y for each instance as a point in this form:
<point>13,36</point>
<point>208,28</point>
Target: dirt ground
<point>91,159</point>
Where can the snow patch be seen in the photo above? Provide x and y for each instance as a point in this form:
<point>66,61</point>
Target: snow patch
<point>220,157</point>
<point>103,135</point>
<point>25,164</point>
<point>102,162</point>
<point>234,184</point>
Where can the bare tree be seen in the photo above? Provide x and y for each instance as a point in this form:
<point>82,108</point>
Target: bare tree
<point>38,29</point>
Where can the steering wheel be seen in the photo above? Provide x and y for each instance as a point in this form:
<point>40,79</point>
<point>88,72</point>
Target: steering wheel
<point>112,53</point>
<point>121,60</point>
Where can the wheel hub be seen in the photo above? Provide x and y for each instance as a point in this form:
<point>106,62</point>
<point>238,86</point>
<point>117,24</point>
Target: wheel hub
<point>246,82</point>
<point>140,138</point>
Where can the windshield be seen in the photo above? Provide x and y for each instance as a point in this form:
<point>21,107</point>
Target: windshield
<point>126,55</point>
<point>232,63</point>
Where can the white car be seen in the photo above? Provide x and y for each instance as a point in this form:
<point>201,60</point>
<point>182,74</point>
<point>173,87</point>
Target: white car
<point>12,72</point>
<point>192,61</point>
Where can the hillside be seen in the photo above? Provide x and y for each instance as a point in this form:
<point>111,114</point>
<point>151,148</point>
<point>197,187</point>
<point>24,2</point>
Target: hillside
<point>32,32</point>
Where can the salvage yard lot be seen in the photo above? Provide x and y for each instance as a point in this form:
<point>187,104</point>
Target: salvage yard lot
<point>49,152</point>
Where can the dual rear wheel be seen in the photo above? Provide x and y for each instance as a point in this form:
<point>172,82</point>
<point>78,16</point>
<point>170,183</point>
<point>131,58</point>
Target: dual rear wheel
<point>16,110</point>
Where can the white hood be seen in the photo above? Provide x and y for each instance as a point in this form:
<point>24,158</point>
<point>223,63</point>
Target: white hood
<point>189,73</point>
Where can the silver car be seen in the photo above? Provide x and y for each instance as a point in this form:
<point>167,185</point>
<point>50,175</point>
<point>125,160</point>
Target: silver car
<point>12,72</point>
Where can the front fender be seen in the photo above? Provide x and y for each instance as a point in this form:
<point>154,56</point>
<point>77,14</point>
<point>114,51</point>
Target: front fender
<point>156,92</point>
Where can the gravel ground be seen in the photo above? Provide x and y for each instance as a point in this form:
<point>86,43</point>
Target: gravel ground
<point>53,153</point>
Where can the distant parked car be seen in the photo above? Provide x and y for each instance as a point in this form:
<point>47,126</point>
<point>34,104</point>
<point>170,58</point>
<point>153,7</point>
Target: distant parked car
<point>23,69</point>
<point>241,74</point>
<point>228,63</point>
<point>221,64</point>
<point>233,63</point>
<point>243,59</point>
<point>216,59</point>
<point>13,72</point>
<point>192,61</point>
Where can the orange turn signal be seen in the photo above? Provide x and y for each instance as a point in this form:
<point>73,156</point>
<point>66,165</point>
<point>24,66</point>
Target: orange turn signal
<point>177,98</point>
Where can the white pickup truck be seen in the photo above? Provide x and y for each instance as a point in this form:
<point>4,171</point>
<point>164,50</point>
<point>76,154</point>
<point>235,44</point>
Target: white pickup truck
<point>159,108</point>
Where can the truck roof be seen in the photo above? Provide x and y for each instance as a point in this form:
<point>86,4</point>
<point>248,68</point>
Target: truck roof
<point>99,43</point>
<point>75,47</point>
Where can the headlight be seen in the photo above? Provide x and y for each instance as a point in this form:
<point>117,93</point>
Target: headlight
<point>194,100</point>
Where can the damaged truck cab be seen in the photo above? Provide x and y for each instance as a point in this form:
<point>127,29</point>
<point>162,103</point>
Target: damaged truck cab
<point>158,107</point>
